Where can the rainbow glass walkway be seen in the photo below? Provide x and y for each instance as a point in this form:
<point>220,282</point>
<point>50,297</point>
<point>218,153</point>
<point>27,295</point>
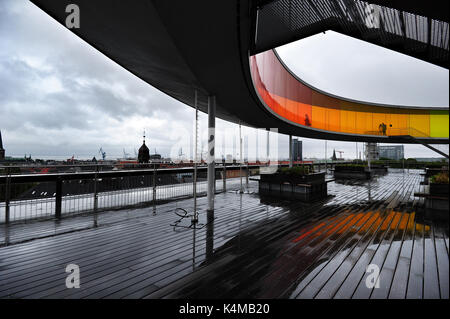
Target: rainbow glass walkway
<point>292,100</point>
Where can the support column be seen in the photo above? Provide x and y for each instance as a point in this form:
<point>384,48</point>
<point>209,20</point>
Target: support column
<point>241,190</point>
<point>58,198</point>
<point>194,186</point>
<point>211,155</point>
<point>290,151</point>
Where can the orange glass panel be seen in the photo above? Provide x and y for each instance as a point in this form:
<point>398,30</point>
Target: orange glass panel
<point>397,122</point>
<point>326,112</point>
<point>348,117</point>
<point>419,123</point>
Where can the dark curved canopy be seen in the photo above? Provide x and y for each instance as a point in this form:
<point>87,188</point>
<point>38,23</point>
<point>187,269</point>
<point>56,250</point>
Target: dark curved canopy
<point>183,46</point>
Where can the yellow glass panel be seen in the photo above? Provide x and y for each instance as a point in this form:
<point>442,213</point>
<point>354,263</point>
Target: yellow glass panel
<point>439,124</point>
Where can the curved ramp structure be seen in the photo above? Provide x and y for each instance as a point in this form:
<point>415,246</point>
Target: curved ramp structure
<point>298,103</point>
<point>209,46</point>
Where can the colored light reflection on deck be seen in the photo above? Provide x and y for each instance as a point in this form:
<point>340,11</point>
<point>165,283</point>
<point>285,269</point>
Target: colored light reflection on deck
<point>361,221</point>
<point>294,101</point>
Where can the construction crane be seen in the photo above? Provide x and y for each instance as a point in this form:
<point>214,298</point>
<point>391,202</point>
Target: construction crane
<point>340,154</point>
<point>180,152</point>
<point>125,154</point>
<point>102,153</point>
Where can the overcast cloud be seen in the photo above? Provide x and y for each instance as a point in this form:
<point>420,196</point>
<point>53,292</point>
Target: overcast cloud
<point>61,97</point>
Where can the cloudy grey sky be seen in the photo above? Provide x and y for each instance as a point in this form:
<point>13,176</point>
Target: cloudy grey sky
<point>60,97</point>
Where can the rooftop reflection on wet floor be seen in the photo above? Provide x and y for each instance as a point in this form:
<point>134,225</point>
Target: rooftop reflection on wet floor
<point>322,250</point>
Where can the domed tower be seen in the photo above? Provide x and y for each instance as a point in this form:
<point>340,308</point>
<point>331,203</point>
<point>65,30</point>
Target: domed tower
<point>144,153</point>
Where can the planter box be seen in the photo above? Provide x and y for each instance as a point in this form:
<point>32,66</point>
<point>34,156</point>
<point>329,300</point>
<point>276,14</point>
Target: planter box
<point>436,204</point>
<point>379,170</point>
<point>293,179</point>
<point>304,188</point>
<point>439,189</point>
<point>349,174</point>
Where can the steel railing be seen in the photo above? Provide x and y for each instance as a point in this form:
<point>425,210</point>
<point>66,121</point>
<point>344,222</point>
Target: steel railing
<point>93,188</point>
<point>56,195</point>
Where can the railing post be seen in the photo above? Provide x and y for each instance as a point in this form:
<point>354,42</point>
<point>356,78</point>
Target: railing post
<point>224,177</point>
<point>290,152</point>
<point>240,177</point>
<point>246,177</point>
<point>7,195</point>
<point>194,179</point>
<point>211,169</point>
<point>58,198</point>
<point>154,189</point>
<point>95,196</point>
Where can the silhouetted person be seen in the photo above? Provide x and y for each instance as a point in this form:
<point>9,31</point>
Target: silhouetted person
<point>382,128</point>
<point>307,122</point>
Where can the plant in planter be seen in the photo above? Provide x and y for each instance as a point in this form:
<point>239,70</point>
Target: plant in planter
<point>439,184</point>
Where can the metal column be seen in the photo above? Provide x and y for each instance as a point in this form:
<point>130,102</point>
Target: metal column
<point>7,194</point>
<point>241,190</point>
<point>290,151</point>
<point>58,197</point>
<point>154,189</point>
<point>211,155</point>
<point>95,196</point>
<point>224,177</point>
<point>194,186</point>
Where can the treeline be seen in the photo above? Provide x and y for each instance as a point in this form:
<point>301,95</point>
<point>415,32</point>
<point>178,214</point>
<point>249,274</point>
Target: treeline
<point>411,163</point>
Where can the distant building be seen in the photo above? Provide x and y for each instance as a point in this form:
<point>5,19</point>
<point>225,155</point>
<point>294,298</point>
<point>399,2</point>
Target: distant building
<point>155,157</point>
<point>372,151</point>
<point>2,150</point>
<point>297,150</point>
<point>393,152</point>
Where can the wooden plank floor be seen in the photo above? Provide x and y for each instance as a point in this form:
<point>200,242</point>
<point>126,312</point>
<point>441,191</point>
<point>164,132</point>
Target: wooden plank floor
<point>256,247</point>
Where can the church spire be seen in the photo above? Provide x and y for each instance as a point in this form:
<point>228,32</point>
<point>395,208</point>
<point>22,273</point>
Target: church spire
<point>144,152</point>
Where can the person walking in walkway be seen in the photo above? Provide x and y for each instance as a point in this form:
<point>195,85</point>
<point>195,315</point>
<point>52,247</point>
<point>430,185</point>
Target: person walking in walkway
<point>382,128</point>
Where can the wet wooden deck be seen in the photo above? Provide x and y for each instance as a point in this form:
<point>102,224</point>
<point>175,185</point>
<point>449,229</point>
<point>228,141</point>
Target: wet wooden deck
<point>255,248</point>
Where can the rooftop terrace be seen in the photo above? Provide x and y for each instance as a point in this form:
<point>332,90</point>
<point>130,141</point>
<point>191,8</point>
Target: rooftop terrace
<point>255,247</point>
